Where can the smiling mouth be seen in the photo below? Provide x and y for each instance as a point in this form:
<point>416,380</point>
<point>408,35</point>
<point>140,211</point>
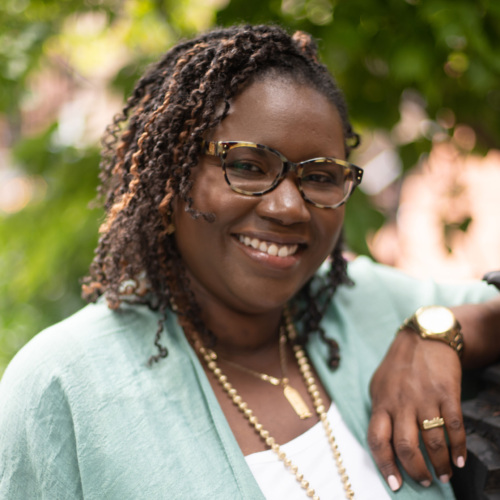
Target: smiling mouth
<point>271,248</point>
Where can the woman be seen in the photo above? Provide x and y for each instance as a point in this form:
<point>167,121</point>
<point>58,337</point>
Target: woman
<point>225,180</point>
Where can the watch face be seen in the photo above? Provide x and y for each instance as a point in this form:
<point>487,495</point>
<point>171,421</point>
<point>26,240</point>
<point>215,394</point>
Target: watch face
<point>436,319</point>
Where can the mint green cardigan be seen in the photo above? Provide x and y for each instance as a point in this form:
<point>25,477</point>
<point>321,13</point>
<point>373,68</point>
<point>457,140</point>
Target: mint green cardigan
<point>82,415</point>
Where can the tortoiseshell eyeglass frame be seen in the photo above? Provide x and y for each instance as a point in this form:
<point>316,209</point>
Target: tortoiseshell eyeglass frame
<point>221,148</point>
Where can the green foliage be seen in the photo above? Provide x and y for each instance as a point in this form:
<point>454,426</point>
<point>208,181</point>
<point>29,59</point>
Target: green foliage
<point>445,50</point>
<point>361,219</point>
<point>47,246</point>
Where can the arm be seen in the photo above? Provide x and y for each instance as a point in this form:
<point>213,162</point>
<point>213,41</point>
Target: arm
<point>421,379</point>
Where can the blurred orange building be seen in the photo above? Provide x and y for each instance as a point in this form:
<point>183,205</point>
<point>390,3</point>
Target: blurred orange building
<point>448,221</point>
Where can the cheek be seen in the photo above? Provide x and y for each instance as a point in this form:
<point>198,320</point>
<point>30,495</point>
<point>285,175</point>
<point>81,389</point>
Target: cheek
<point>214,210</point>
<point>330,227</point>
<point>210,192</point>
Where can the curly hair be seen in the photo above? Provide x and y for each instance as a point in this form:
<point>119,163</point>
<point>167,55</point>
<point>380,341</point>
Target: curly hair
<point>151,148</point>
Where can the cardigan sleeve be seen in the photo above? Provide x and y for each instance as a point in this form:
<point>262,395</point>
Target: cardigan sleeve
<point>406,293</point>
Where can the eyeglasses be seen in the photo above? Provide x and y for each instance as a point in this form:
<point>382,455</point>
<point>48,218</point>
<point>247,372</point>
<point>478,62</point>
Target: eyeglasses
<point>253,169</point>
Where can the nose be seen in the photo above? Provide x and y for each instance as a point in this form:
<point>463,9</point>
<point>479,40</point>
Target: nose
<point>284,204</point>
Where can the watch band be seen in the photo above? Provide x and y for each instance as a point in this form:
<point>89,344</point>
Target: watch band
<point>453,336</point>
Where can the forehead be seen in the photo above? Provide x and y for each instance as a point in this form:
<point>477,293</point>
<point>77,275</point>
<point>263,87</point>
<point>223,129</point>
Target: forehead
<point>294,118</point>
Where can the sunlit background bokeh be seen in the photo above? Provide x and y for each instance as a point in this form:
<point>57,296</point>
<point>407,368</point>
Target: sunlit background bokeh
<point>422,80</point>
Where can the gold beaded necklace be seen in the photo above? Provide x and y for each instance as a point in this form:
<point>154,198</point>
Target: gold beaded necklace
<point>210,358</point>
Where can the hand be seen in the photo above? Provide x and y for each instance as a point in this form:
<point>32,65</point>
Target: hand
<point>418,379</point>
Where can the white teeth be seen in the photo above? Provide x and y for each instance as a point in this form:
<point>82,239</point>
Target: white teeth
<point>273,249</point>
<point>283,252</point>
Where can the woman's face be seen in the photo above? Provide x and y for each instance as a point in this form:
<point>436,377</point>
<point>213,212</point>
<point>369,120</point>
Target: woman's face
<point>220,257</point>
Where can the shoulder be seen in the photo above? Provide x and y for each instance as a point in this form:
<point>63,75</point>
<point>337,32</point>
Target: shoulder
<point>95,334</point>
<point>364,317</point>
<point>383,283</point>
<point>54,385</point>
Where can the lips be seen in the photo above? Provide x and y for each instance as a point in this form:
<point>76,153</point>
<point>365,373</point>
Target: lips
<point>271,248</point>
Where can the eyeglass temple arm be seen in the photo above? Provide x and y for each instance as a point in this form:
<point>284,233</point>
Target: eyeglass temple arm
<point>210,147</point>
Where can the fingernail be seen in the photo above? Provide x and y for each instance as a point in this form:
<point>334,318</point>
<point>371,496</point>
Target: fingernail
<point>425,483</point>
<point>460,462</point>
<point>393,483</point>
<point>444,478</point>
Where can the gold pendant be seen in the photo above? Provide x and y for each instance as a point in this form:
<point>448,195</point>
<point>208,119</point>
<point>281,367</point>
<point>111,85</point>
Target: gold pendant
<point>297,403</point>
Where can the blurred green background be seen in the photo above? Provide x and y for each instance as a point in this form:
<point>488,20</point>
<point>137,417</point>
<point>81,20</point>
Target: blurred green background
<point>445,52</point>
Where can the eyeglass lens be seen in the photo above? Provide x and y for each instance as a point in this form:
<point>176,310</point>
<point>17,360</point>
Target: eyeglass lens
<point>253,170</point>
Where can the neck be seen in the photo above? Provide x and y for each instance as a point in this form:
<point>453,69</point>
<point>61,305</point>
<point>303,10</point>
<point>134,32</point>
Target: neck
<point>239,332</point>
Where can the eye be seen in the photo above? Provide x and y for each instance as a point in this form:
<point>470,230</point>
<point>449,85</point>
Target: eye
<point>320,178</point>
<point>248,162</point>
<point>323,174</point>
<point>245,167</point>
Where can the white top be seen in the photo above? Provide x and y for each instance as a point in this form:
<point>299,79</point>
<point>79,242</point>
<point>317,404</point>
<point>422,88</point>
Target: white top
<point>314,458</point>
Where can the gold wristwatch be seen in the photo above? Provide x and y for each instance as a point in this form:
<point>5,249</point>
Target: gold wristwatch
<point>437,323</point>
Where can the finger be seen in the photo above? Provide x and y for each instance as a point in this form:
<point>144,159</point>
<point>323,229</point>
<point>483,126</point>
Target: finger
<point>455,429</point>
<point>406,446</point>
<point>435,443</point>
<point>379,441</point>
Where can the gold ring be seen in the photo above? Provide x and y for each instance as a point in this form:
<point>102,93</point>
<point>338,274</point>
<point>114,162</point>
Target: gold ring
<point>431,424</point>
